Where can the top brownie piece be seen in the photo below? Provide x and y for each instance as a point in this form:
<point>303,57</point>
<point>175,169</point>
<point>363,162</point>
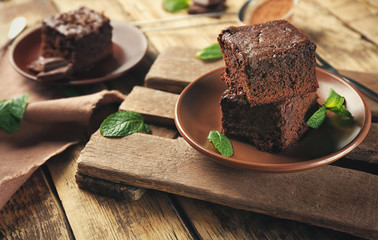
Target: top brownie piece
<point>270,61</point>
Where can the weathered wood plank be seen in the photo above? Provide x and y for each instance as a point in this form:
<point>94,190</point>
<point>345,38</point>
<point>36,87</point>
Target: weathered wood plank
<point>341,46</point>
<point>328,196</point>
<point>156,106</point>
<point>357,15</point>
<point>199,37</point>
<point>34,212</point>
<point>110,8</point>
<point>98,217</point>
<point>116,190</point>
<point>176,67</point>
<point>214,221</point>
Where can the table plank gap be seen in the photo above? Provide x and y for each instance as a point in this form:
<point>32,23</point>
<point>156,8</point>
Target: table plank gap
<point>50,184</point>
<point>184,216</point>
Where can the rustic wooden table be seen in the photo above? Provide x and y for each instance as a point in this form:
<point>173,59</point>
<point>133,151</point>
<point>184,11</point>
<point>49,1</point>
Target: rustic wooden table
<point>51,206</point>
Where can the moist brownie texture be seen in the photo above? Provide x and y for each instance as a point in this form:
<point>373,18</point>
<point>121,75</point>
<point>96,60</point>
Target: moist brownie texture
<point>82,36</point>
<point>269,61</point>
<point>271,127</point>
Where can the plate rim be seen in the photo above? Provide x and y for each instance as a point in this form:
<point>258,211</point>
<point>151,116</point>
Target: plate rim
<point>114,24</point>
<point>270,167</point>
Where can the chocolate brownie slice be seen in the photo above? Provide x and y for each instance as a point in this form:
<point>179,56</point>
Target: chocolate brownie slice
<point>270,61</point>
<point>271,127</point>
<point>81,36</point>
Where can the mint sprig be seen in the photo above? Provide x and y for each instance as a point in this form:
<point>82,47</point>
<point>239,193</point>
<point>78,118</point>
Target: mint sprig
<point>12,112</point>
<point>221,143</point>
<point>335,104</point>
<point>333,100</point>
<point>318,117</point>
<point>123,123</point>
<point>210,53</point>
<point>175,5</point>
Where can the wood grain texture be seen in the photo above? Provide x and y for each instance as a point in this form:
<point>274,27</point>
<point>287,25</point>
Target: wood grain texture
<point>117,190</point>
<point>98,217</point>
<point>214,221</point>
<point>156,106</point>
<point>34,212</point>
<point>328,196</point>
<point>338,44</point>
<point>176,67</point>
<point>357,16</point>
<point>188,37</point>
<point>110,8</point>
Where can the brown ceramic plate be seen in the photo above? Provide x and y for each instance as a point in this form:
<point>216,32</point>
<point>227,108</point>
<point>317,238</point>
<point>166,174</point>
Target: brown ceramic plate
<point>198,112</point>
<point>129,47</point>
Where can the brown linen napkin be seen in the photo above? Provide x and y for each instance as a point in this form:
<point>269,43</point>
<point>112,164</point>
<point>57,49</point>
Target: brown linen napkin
<point>51,124</point>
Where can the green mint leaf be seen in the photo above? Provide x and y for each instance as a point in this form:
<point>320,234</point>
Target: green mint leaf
<point>335,104</point>
<point>334,99</point>
<point>209,53</point>
<point>175,5</point>
<point>8,122</point>
<point>12,112</point>
<point>123,123</point>
<point>318,117</point>
<point>221,143</point>
<point>341,111</point>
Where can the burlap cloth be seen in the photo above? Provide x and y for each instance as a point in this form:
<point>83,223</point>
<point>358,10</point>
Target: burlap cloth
<point>52,122</point>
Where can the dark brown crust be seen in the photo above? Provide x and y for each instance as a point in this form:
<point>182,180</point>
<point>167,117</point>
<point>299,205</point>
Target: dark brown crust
<point>269,61</point>
<point>270,127</point>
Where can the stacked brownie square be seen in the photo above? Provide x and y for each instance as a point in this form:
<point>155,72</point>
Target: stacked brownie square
<point>72,42</point>
<point>271,80</point>
<point>81,36</point>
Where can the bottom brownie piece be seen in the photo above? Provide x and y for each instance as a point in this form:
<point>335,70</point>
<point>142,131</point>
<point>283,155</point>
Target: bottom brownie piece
<point>270,127</point>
